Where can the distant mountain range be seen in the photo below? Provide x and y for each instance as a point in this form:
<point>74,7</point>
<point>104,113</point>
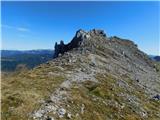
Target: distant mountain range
<point>30,58</point>
<point>9,53</point>
<point>155,58</point>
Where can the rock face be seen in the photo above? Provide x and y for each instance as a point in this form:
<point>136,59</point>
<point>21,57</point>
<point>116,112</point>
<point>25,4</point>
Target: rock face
<point>80,36</point>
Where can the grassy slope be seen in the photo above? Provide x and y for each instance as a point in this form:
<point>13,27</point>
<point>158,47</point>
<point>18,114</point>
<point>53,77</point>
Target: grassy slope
<point>20,93</point>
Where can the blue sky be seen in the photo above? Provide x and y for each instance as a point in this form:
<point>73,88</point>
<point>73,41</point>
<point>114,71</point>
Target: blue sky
<point>38,25</point>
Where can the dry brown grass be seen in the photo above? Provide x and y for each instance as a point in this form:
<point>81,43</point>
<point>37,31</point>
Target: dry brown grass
<point>21,94</point>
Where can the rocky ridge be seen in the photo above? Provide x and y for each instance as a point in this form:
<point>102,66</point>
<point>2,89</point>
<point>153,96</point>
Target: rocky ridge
<point>94,77</point>
<point>91,54</point>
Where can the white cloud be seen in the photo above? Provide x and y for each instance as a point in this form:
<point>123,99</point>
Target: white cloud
<point>21,29</point>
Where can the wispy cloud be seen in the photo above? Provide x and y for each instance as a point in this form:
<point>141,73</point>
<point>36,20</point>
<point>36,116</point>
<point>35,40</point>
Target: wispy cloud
<point>21,29</point>
<point>7,26</point>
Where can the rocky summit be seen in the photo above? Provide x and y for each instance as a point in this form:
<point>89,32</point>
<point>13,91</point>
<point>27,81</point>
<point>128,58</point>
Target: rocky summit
<point>93,77</point>
<point>80,37</point>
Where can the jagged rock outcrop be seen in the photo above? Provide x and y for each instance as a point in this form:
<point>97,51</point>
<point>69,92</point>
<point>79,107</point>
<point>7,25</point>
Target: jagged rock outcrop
<point>97,39</point>
<point>80,36</point>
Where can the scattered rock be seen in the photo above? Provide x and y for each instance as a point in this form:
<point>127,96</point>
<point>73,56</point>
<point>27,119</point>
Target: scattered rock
<point>39,114</point>
<point>122,105</point>
<point>137,79</point>
<point>144,114</point>
<point>77,114</point>
<point>82,108</point>
<point>61,112</point>
<point>156,97</point>
<point>49,118</point>
<point>69,115</point>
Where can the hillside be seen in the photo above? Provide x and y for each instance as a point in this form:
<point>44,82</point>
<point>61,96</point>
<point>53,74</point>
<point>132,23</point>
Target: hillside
<point>12,59</point>
<point>94,77</point>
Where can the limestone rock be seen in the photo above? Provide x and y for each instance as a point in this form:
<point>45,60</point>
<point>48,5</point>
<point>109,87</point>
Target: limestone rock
<point>61,112</point>
<point>80,36</point>
<point>69,115</point>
